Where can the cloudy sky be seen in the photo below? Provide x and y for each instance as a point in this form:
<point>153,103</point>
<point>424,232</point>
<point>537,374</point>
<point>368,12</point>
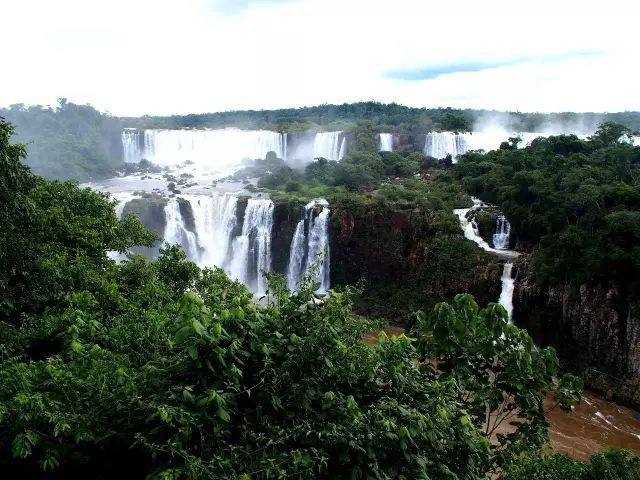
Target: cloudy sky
<point>134,57</point>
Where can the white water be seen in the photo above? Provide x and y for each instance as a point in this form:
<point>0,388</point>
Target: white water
<point>440,144</point>
<point>215,219</point>
<point>132,145</point>
<point>329,145</point>
<point>386,142</point>
<point>470,229</point>
<point>506,294</point>
<point>176,231</point>
<point>251,251</point>
<point>501,237</point>
<point>207,148</point>
<point>309,245</point>
<point>503,229</point>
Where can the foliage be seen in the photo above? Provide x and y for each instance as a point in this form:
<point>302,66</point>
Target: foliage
<point>502,378</point>
<point>69,141</point>
<point>608,465</point>
<point>578,198</point>
<point>175,372</point>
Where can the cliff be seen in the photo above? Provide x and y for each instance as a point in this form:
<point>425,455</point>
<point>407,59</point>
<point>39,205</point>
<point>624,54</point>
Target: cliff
<point>592,327</point>
<point>406,262</point>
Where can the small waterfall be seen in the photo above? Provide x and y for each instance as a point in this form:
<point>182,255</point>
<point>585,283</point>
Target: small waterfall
<point>386,142</point>
<point>440,144</point>
<point>309,244</point>
<point>177,232</point>
<point>251,251</point>
<point>327,145</point>
<point>506,294</point>
<point>206,147</point>
<point>343,148</point>
<point>501,237</point>
<point>470,229</point>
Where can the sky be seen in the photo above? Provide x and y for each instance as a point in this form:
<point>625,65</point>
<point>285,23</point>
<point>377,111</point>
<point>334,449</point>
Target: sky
<point>160,57</point>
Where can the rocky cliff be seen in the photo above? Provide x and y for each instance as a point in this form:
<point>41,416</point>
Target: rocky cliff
<point>592,327</point>
<point>405,263</point>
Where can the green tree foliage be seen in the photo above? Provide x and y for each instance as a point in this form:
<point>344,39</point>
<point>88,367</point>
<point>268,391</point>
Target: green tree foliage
<point>163,370</point>
<point>502,377</point>
<point>52,233</point>
<point>69,141</point>
<point>578,198</point>
<point>608,465</point>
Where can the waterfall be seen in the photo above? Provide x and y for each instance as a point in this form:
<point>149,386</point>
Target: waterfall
<point>215,219</point>
<point>309,244</point>
<point>470,229</point>
<point>327,145</point>
<point>506,294</point>
<point>440,144</point>
<point>386,142</point>
<point>343,148</point>
<point>132,145</point>
<point>251,251</point>
<point>501,237</point>
<point>176,231</point>
<point>205,147</point>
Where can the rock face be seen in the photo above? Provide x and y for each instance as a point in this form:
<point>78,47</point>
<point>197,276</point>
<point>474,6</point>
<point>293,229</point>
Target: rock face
<point>285,218</point>
<point>150,210</point>
<point>592,327</point>
<point>397,250</point>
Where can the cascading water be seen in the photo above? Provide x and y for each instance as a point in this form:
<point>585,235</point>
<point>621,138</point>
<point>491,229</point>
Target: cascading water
<point>251,251</point>
<point>501,237</point>
<point>328,145</point>
<point>309,245</point>
<point>440,144</point>
<point>215,220</point>
<point>386,142</point>
<point>176,230</point>
<point>204,147</point>
<point>506,293</point>
<point>501,243</point>
<point>132,145</point>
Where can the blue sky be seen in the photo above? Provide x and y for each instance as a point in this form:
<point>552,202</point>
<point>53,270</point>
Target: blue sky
<point>134,57</point>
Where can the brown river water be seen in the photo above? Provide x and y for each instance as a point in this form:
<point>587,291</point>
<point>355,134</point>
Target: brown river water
<point>593,425</point>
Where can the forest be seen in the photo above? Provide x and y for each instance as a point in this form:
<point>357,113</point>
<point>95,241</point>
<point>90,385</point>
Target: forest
<point>175,372</point>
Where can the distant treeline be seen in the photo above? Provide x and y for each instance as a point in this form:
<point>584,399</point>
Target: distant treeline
<point>72,141</point>
<point>392,118</point>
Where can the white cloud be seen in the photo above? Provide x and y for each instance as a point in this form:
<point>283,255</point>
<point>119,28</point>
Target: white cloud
<point>162,57</point>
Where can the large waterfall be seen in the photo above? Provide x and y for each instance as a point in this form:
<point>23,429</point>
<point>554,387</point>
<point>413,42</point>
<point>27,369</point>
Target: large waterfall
<point>309,245</point>
<point>501,237</point>
<point>215,219</point>
<point>214,237</point>
<point>176,230</point>
<point>386,142</point>
<point>329,145</point>
<point>439,145</point>
<point>251,250</point>
<point>204,147</point>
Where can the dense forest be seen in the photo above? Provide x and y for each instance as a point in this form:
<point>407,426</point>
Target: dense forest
<point>176,373</point>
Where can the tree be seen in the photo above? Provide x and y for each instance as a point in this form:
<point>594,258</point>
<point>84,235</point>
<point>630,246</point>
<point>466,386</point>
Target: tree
<point>500,375</point>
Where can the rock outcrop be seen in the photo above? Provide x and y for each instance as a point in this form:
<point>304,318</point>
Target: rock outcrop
<point>593,328</point>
